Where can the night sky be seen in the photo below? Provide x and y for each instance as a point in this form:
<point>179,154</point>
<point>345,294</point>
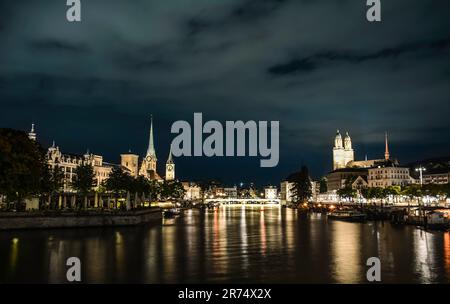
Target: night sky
<point>315,66</point>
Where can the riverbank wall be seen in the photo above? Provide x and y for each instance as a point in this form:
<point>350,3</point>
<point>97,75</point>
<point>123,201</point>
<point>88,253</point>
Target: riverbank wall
<point>41,220</point>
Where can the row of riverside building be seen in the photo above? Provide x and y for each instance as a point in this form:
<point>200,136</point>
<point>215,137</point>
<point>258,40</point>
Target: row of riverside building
<point>129,162</point>
<point>383,172</point>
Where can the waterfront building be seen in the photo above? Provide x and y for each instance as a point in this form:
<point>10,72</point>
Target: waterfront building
<point>286,189</point>
<point>434,170</point>
<point>270,192</point>
<point>69,162</point>
<point>367,173</point>
<point>285,193</point>
<point>389,174</point>
<point>130,162</point>
<point>436,176</point>
<point>360,183</point>
<point>336,179</point>
<point>192,191</point>
<point>230,192</point>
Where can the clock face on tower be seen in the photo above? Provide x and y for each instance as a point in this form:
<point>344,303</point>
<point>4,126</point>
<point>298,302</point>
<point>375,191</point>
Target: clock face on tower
<point>148,158</point>
<point>169,168</point>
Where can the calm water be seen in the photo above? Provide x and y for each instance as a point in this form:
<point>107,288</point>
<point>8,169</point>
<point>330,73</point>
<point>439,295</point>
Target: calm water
<point>229,245</point>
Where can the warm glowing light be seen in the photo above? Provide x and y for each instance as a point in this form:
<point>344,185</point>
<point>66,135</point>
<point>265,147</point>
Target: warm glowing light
<point>332,207</point>
<point>15,241</point>
<point>320,205</point>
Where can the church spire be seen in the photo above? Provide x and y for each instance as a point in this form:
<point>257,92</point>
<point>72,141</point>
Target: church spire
<point>151,147</point>
<point>386,152</point>
<point>170,166</point>
<point>169,159</point>
<point>32,133</point>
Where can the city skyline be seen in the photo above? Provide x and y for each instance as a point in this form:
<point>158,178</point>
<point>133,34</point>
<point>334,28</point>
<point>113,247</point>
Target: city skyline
<point>160,166</point>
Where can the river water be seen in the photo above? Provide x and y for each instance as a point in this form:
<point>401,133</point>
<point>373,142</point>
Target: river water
<point>229,245</point>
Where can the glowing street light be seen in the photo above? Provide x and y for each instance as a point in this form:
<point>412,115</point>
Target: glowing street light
<point>421,170</point>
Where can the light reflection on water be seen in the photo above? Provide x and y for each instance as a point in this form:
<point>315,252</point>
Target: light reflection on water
<point>230,244</point>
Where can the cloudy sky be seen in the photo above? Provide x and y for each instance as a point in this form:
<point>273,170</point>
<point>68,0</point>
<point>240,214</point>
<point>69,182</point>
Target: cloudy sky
<point>315,66</point>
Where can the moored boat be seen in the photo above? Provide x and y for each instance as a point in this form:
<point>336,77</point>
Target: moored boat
<point>348,215</point>
<point>171,212</point>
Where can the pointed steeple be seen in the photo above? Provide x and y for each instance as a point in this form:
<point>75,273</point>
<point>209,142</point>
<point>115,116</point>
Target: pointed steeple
<point>151,147</point>
<point>347,142</point>
<point>338,140</point>
<point>386,152</point>
<point>32,133</point>
<point>87,154</point>
<point>170,166</point>
<point>169,159</point>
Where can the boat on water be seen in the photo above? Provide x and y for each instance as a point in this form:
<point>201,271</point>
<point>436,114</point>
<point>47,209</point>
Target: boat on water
<point>348,215</point>
<point>171,212</point>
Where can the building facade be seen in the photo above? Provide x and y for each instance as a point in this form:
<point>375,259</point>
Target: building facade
<point>336,179</point>
<point>69,162</point>
<point>192,191</point>
<point>287,193</point>
<point>270,192</point>
<point>389,175</point>
<point>230,192</point>
<point>439,177</point>
<point>128,161</point>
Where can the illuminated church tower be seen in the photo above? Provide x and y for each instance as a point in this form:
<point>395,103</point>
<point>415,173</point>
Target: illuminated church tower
<point>148,166</point>
<point>343,152</point>
<point>32,134</point>
<point>349,153</point>
<point>386,151</point>
<point>170,167</point>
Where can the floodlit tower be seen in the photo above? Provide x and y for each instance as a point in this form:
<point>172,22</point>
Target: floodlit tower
<point>170,167</point>
<point>32,134</point>
<point>386,152</point>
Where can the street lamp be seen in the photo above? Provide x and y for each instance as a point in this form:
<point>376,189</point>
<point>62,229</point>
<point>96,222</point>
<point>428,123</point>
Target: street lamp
<point>421,170</point>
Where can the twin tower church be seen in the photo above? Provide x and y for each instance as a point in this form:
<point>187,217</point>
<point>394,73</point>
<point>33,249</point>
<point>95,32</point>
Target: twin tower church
<point>344,155</point>
<point>68,162</point>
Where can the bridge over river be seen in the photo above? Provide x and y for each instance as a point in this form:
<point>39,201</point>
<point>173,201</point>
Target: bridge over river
<point>243,201</point>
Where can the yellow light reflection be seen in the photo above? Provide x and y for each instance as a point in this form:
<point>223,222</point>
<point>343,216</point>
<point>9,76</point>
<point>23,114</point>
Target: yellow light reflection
<point>447,253</point>
<point>346,246</point>
<point>14,254</point>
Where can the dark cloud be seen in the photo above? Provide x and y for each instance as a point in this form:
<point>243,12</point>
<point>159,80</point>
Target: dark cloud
<point>57,45</point>
<point>251,10</point>
<point>313,65</point>
<point>312,62</point>
<point>243,13</point>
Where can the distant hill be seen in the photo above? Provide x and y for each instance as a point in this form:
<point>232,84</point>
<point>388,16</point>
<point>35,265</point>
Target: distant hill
<point>432,165</point>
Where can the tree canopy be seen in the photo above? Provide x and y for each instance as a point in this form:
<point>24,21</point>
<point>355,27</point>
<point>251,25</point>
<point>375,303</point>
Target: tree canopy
<point>22,163</point>
<point>301,188</point>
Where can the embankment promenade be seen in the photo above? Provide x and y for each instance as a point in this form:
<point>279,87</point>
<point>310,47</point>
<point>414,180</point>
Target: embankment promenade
<point>77,219</point>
